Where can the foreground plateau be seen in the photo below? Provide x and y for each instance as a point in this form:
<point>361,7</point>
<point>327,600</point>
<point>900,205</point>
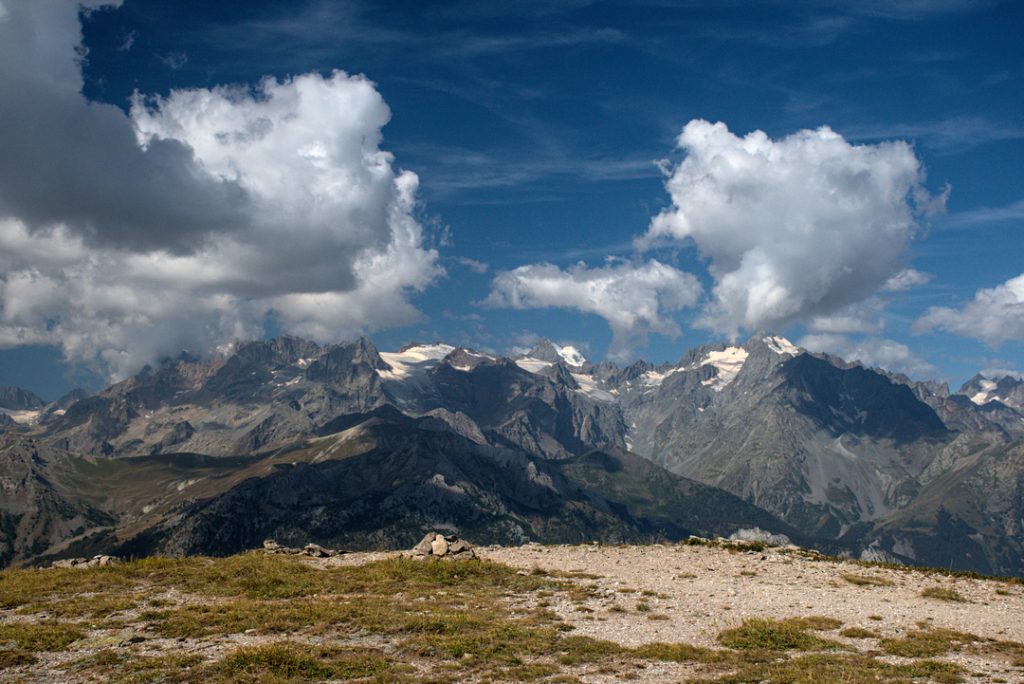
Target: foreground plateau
<point>695,612</point>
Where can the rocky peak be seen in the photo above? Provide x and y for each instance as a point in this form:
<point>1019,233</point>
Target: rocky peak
<point>1007,389</point>
<point>18,399</point>
<point>72,397</point>
<point>544,350</point>
<point>340,358</point>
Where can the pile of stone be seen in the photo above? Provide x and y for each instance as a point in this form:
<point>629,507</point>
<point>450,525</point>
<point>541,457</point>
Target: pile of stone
<point>441,546</point>
<point>95,561</point>
<point>311,550</point>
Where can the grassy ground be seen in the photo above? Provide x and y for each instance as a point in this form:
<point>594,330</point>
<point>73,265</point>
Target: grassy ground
<point>258,617</point>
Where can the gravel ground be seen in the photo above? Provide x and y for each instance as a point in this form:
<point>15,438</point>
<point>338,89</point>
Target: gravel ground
<point>703,590</point>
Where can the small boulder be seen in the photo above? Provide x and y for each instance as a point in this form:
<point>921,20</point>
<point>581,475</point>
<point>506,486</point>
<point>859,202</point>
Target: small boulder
<point>424,548</point>
<point>439,547</point>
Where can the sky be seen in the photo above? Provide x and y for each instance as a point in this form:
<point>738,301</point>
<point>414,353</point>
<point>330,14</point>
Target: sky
<point>633,178</point>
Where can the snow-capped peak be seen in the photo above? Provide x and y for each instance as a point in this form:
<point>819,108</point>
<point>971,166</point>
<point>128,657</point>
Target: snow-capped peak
<point>571,355</point>
<point>781,346</point>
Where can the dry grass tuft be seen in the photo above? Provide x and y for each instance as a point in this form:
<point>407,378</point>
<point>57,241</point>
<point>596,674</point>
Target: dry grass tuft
<point>943,594</point>
<point>866,580</point>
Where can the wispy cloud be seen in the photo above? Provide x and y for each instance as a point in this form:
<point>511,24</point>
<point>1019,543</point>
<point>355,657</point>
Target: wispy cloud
<point>917,10</point>
<point>173,60</point>
<point>320,26</point>
<point>460,43</point>
<point>456,170</point>
<point>472,264</point>
<point>982,216</point>
<point>128,42</point>
<point>951,135</point>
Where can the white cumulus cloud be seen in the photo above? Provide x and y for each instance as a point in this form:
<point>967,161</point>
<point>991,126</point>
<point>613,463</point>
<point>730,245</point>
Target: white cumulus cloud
<point>196,216</point>
<point>995,315</point>
<point>635,299</point>
<point>792,228</point>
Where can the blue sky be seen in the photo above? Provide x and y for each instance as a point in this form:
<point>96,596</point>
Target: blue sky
<point>543,135</point>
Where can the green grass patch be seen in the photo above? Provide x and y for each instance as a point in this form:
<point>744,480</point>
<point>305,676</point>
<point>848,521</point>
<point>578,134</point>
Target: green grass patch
<point>82,606</point>
<point>842,668</point>
<point>40,636</point>
<point>293,661</point>
<point>126,667</point>
<point>774,635</point>
<point>927,643</point>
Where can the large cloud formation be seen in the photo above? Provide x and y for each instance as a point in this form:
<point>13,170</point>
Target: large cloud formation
<point>792,228</point>
<point>635,299</point>
<point>872,351</point>
<point>994,316</point>
<point>195,217</point>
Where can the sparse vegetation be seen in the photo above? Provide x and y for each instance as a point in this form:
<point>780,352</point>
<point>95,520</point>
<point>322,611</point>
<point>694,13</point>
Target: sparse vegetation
<point>15,657</point>
<point>859,633</point>
<point>866,580</point>
<point>846,668</point>
<point>943,594</point>
<point>927,643</point>
<point>774,635</point>
<point>290,660</point>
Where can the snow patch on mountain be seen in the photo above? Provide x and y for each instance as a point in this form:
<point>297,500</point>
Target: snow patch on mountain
<point>571,355</point>
<point>654,379</point>
<point>22,417</point>
<point>588,386</point>
<point>782,346</point>
<point>984,394</point>
<point>728,362</point>
<point>533,365</point>
<point>413,360</point>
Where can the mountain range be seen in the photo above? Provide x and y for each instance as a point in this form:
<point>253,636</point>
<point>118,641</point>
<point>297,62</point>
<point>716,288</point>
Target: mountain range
<point>348,446</point>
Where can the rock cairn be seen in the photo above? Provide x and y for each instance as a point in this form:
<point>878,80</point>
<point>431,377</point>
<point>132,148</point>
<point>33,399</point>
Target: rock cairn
<point>441,546</point>
<point>311,550</point>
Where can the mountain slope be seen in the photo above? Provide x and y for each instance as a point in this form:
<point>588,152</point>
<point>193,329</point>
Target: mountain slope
<point>380,483</point>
